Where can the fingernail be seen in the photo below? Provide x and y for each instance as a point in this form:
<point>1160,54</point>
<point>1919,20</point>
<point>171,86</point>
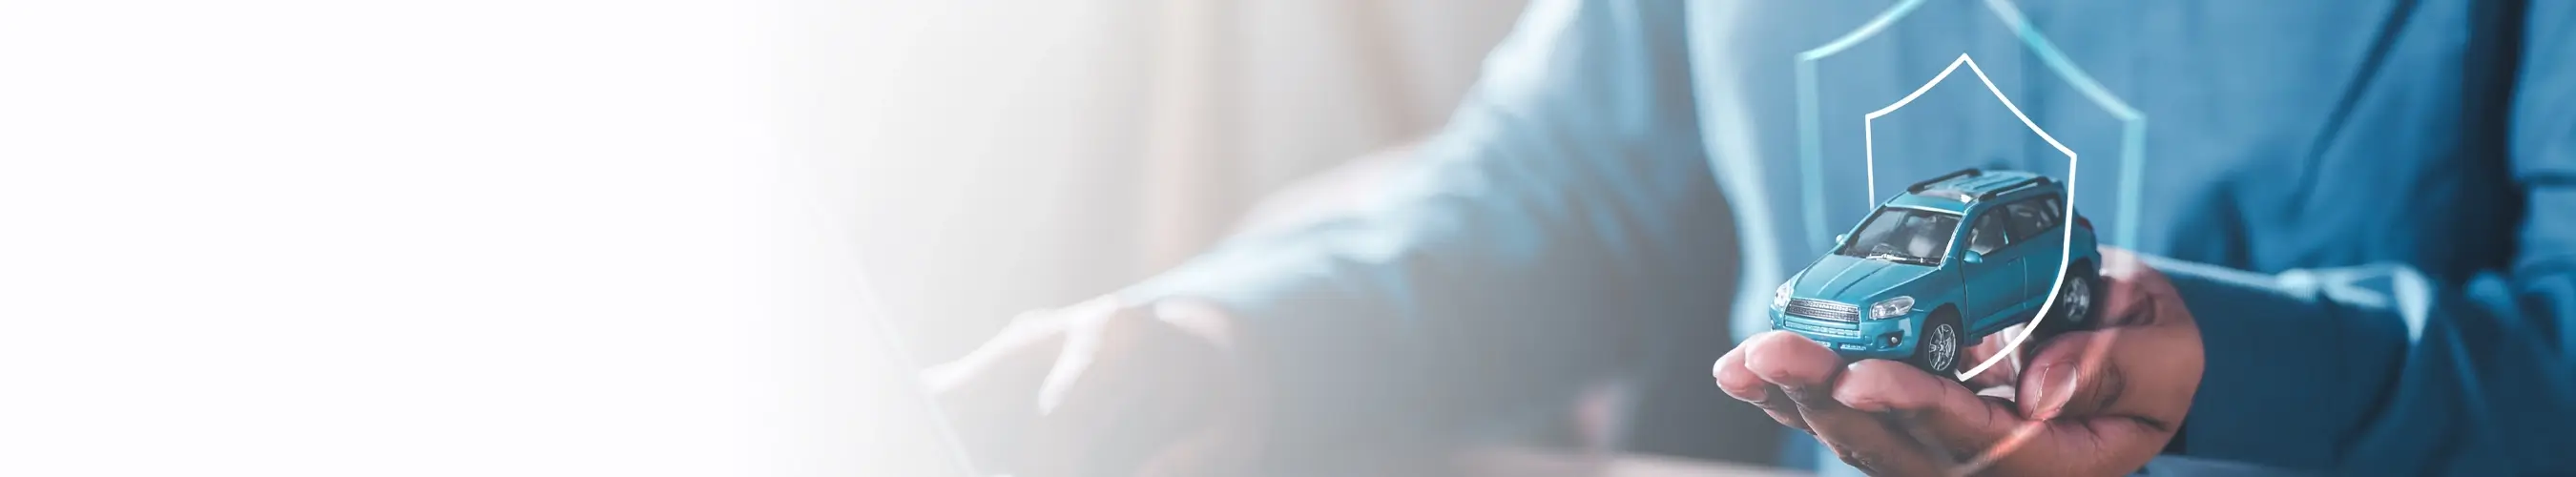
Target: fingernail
<point>2057,386</point>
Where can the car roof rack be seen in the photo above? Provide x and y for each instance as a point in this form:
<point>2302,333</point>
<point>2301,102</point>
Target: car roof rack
<point>1968,172</point>
<point>2033,181</point>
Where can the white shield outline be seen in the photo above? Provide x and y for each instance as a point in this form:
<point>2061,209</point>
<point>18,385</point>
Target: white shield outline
<point>2132,134</point>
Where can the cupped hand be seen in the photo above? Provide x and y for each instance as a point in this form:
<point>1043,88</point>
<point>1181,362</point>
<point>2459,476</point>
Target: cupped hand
<point>2093,402</point>
<point>1106,388</point>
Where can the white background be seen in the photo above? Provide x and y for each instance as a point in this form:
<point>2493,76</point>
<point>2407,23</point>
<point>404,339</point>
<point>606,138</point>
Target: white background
<point>591,237</point>
<point>551,237</point>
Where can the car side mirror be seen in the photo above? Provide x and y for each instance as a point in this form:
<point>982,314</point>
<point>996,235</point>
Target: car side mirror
<point>1973,257</point>
<point>1840,238</point>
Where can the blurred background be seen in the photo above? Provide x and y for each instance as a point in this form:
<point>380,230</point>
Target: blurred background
<point>1024,154</point>
<point>584,237</point>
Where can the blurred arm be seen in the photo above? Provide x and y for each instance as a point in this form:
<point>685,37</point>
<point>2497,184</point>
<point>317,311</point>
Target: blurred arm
<point>2379,369</point>
<point>1558,229</point>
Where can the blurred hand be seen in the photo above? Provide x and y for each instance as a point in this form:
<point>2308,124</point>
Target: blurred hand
<point>1106,388</point>
<point>2097,402</point>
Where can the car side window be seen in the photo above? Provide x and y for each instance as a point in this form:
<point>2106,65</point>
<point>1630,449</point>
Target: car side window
<point>2052,212</point>
<point>2025,219</point>
<point>2030,216</point>
<point>1989,233</point>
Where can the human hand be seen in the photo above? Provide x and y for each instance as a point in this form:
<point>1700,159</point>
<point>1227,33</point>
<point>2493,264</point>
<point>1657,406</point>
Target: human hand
<point>1106,388</point>
<point>2093,402</point>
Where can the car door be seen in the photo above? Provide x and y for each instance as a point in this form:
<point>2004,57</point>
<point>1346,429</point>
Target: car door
<point>2030,221</point>
<point>2050,239</point>
<point>1993,286</point>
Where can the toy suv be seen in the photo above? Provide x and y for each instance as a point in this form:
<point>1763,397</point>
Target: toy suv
<point>1944,264</point>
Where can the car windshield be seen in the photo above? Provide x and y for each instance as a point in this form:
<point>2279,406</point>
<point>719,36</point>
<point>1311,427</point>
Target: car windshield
<point>1913,236</point>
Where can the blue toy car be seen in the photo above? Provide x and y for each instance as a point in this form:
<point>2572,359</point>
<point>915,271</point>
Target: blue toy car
<point>1912,283</point>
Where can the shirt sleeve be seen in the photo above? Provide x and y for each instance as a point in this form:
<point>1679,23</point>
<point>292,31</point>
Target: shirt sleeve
<point>2382,370</point>
<point>1564,225</point>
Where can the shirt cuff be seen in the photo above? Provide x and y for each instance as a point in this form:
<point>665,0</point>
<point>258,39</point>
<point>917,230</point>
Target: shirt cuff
<point>2290,360</point>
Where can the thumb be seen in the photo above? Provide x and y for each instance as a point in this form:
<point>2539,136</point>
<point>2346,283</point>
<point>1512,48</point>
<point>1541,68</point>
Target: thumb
<point>2146,364</point>
<point>2132,372</point>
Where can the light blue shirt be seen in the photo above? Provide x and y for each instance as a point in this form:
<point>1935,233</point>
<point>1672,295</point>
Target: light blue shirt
<point>2370,205</point>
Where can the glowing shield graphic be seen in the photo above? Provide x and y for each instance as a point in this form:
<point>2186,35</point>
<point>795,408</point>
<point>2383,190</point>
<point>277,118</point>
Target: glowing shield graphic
<point>2132,137</point>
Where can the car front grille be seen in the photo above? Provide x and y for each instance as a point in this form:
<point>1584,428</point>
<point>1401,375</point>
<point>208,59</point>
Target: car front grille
<point>1822,309</point>
<point>1810,328</point>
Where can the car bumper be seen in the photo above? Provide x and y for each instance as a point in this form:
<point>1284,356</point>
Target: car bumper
<point>1892,338</point>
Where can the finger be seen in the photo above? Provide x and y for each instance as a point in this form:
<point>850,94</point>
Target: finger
<point>1003,362</point>
<point>2143,373</point>
<point>1987,434</point>
<point>1104,408</point>
<point>1790,362</point>
<point>1021,353</point>
<point>2107,401</point>
<point>1954,419</point>
<point>1105,324</point>
<point>1000,376</point>
<point>1805,372</point>
<point>988,395</point>
<point>1741,384</point>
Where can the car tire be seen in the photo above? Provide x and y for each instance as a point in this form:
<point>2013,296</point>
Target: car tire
<point>2078,306</point>
<point>1937,349</point>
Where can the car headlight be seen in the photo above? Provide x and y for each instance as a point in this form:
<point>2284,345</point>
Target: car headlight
<point>1780,298</point>
<point>1891,308</point>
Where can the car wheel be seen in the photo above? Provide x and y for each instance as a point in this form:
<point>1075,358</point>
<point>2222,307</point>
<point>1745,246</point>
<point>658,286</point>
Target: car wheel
<point>2078,299</point>
<point>1938,350</point>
